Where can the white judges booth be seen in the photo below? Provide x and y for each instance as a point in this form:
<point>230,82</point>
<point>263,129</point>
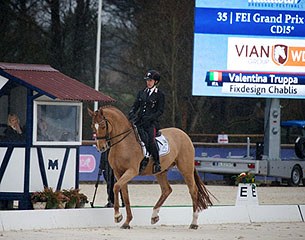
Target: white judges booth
<point>49,105</point>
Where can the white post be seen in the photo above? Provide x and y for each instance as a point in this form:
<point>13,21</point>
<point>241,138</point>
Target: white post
<point>98,50</point>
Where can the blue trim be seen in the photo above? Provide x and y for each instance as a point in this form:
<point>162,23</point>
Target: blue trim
<point>62,172</point>
<point>42,168</point>
<point>11,196</point>
<point>77,169</point>
<point>26,202</point>
<point>29,118</point>
<point>12,144</point>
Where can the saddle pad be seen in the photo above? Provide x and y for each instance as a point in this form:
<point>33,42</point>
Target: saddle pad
<point>163,146</point>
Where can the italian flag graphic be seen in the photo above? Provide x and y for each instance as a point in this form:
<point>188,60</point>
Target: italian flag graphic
<point>216,76</point>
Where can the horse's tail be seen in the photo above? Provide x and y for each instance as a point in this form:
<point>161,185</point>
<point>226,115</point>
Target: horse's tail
<point>203,198</point>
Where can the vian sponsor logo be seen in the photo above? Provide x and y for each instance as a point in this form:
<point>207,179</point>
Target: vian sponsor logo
<point>252,50</point>
<point>268,52</point>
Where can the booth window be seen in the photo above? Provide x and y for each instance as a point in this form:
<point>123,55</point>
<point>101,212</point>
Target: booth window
<point>57,123</point>
<point>12,101</point>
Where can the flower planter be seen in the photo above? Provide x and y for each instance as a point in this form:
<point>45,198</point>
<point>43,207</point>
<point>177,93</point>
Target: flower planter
<point>80,205</point>
<point>61,205</point>
<point>39,205</point>
<point>51,206</point>
<point>70,205</point>
<point>59,199</point>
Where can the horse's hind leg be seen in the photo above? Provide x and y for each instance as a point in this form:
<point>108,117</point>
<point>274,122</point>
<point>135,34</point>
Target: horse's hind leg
<point>187,171</point>
<point>165,192</point>
<point>193,190</point>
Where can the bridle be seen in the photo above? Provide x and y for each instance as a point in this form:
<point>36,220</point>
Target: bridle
<point>107,136</point>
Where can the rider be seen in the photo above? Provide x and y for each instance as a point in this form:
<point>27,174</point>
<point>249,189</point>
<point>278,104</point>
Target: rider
<point>145,112</point>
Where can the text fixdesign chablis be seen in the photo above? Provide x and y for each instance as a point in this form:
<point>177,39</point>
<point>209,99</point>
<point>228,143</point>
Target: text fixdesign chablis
<point>260,84</point>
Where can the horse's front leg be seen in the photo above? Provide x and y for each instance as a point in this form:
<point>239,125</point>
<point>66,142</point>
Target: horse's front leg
<point>165,192</point>
<point>117,214</point>
<point>127,207</point>
<point>121,184</point>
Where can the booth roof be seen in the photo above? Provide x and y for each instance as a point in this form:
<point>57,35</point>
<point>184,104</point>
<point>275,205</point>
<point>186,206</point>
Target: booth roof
<point>49,81</point>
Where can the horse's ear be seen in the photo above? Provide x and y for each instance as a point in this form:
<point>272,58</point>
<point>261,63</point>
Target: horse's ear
<point>90,112</point>
<point>100,111</point>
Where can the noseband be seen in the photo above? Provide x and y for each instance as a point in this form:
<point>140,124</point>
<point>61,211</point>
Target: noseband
<point>107,136</point>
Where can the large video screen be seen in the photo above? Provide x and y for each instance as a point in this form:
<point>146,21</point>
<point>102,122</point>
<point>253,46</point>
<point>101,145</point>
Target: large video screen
<point>249,48</point>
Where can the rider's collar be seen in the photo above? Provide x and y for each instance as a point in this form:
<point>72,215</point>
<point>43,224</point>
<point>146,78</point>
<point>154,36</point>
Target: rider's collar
<point>153,89</point>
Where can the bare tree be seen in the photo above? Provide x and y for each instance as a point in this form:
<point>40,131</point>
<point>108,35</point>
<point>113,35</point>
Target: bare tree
<point>56,34</point>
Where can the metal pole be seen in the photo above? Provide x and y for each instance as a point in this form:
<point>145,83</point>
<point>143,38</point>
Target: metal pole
<point>248,147</point>
<point>98,50</point>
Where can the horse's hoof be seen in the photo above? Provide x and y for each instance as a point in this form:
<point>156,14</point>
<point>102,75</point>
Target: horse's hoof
<point>118,218</point>
<point>154,220</point>
<point>125,226</point>
<point>194,226</point>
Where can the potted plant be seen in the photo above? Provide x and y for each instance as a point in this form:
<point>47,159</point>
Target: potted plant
<point>39,200</point>
<point>55,199</point>
<point>58,199</point>
<point>74,197</point>
<point>83,199</point>
<point>245,178</point>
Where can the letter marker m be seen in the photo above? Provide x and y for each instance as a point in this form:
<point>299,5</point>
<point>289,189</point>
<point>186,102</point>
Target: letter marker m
<point>53,164</point>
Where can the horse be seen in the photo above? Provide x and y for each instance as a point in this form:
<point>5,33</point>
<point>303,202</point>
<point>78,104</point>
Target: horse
<point>115,133</point>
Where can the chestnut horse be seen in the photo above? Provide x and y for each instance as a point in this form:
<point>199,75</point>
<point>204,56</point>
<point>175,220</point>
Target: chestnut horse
<point>115,133</point>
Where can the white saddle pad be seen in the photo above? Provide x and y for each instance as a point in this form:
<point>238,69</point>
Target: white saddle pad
<point>162,145</point>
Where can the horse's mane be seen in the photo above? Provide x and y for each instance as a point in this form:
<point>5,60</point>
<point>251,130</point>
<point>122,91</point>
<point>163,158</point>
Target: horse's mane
<point>115,109</point>
<point>107,106</point>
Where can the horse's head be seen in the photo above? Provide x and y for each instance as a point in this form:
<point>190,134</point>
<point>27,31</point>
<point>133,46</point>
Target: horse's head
<point>279,51</point>
<point>101,128</point>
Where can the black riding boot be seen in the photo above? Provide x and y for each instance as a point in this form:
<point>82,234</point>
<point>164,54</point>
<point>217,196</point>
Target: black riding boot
<point>156,157</point>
